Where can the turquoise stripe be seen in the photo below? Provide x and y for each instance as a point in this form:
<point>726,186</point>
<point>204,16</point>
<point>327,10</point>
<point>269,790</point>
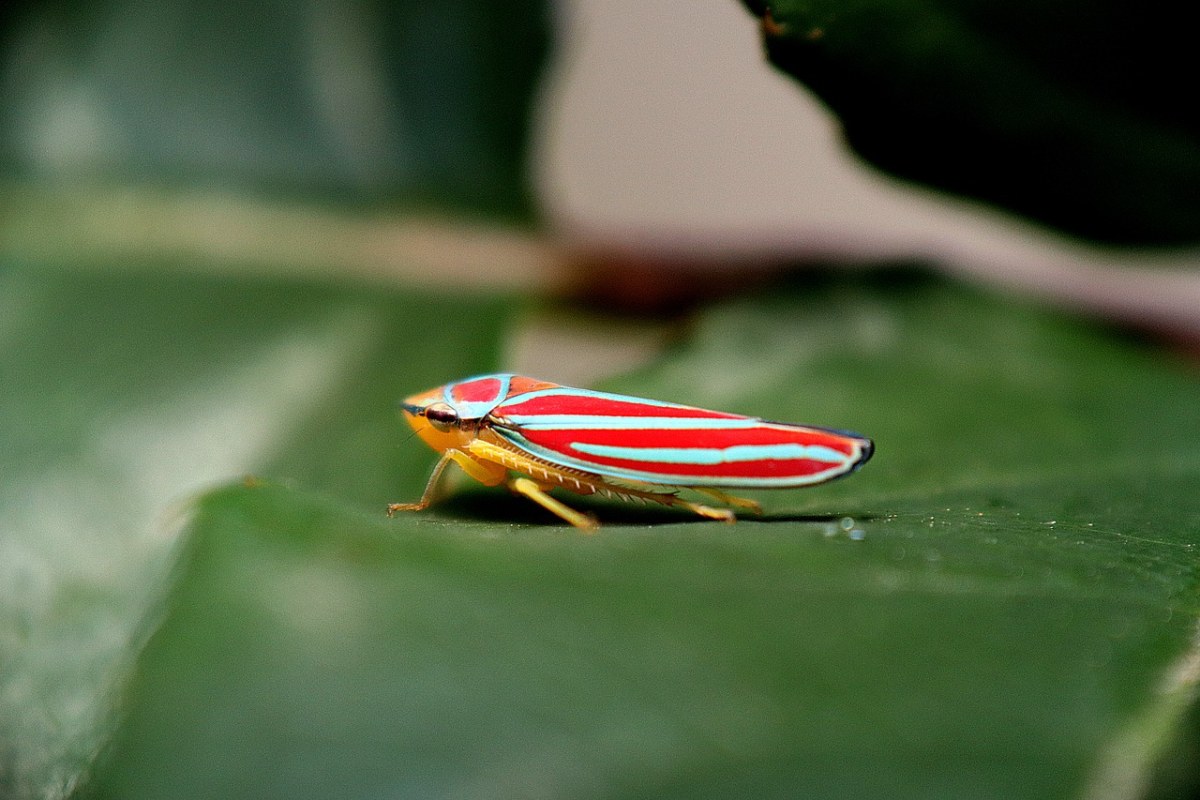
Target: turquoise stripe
<point>714,455</point>
<point>476,409</point>
<point>564,422</point>
<point>666,479</point>
<point>569,391</point>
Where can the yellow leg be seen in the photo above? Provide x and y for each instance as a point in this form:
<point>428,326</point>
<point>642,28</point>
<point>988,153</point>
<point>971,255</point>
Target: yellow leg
<point>487,474</point>
<point>720,514</point>
<point>489,465</point>
<point>730,499</point>
<point>430,489</point>
<point>530,489</point>
<point>490,453</point>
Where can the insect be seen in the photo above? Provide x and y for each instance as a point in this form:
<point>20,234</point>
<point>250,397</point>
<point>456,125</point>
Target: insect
<point>534,436</point>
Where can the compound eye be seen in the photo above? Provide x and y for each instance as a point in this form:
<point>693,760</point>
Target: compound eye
<point>441,416</point>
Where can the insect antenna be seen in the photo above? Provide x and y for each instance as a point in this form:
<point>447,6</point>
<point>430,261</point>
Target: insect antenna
<point>407,439</point>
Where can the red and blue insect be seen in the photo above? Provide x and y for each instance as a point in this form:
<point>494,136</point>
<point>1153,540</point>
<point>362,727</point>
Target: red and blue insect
<point>534,436</point>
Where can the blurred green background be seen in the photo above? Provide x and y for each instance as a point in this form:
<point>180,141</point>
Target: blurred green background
<point>232,236</point>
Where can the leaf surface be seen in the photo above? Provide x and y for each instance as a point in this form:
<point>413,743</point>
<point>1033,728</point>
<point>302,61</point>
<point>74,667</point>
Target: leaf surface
<point>1002,604</point>
<point>124,398</point>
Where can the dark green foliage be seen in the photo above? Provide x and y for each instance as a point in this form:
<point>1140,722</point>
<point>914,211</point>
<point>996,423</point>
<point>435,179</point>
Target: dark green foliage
<point>1075,114</point>
<point>412,103</point>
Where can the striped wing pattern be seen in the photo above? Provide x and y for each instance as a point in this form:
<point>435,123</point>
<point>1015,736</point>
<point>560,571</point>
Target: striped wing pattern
<point>664,443</point>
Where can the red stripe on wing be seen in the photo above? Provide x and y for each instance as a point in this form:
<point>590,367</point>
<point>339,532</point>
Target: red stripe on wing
<point>566,442</point>
<point>764,434</point>
<point>559,424</point>
<point>601,405</point>
<point>481,390</point>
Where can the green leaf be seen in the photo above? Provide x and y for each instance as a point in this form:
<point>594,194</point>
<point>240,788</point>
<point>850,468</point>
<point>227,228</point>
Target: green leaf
<point>125,396</point>
<point>1071,113</point>
<point>1018,617</point>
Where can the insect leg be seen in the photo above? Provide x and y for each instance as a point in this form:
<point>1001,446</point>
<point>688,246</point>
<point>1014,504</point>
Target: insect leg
<point>535,493</point>
<point>730,500</point>
<point>430,488</point>
<point>720,514</point>
<point>486,473</point>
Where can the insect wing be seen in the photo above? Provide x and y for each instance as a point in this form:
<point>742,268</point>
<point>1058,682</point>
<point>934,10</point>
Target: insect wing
<point>665,443</point>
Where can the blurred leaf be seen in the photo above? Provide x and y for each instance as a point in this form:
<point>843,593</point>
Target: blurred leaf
<point>122,397</point>
<point>1073,113</point>
<point>1177,775</point>
<point>1018,619</point>
<point>415,102</point>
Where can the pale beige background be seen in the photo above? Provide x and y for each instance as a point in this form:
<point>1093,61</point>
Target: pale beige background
<point>665,128</point>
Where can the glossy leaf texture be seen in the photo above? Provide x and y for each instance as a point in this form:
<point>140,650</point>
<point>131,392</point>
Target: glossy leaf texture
<point>1003,603</point>
<point>1074,114</point>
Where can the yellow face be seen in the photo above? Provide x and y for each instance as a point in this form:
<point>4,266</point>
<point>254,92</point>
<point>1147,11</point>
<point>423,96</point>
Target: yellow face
<point>435,421</point>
